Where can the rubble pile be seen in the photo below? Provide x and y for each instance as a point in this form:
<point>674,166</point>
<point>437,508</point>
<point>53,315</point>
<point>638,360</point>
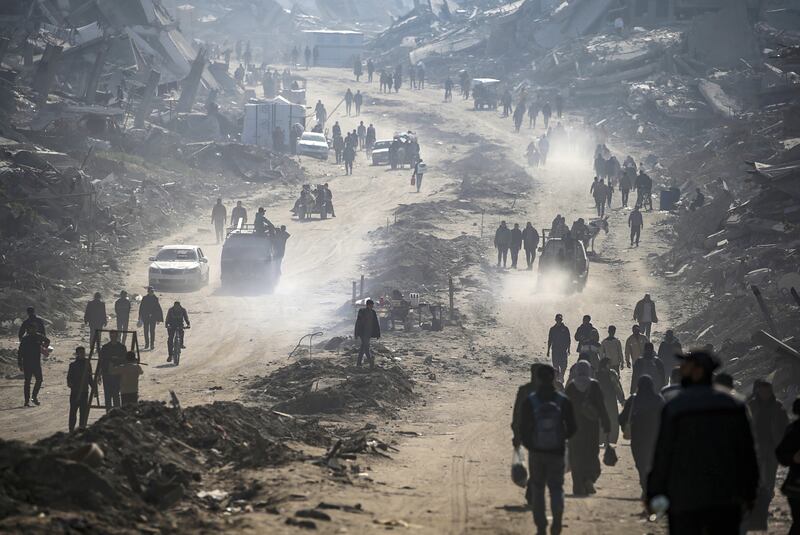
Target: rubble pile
<point>135,463</point>
<point>487,173</point>
<point>321,386</point>
<point>411,259</point>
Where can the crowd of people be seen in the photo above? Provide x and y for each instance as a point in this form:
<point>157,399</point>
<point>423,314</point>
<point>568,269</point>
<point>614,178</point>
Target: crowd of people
<point>706,457</point>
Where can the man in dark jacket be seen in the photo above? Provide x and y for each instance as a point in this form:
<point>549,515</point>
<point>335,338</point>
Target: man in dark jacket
<point>530,241</point>
<point>769,422</point>
<point>648,364</point>
<point>522,397</point>
<point>788,454</point>
<point>367,327</point>
<point>95,317</point>
<point>218,217</point>
<point>34,320</point>
<point>558,343</point>
<point>79,381</point>
<point>635,222</point>
<point>122,309</point>
<point>177,318</point>
<point>668,351</point>
<point>645,314</point>
<point>150,313</point>
<point>584,334</point>
<point>502,241</point>
<point>111,354</point>
<point>644,187</point>
<point>546,422</point>
<point>238,215</point>
<point>29,360</point>
<point>705,460</point>
<point>516,245</point>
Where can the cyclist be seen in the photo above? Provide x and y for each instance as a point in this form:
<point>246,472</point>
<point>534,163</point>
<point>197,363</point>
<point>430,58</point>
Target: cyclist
<point>176,317</point>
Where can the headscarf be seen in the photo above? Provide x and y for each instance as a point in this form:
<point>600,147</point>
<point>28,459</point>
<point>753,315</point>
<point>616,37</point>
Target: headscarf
<point>581,375</point>
<point>646,399</point>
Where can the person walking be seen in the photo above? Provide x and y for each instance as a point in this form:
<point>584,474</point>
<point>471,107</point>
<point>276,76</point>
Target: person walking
<point>238,215</point>
<point>669,349</point>
<point>648,364</point>
<point>358,69</point>
<point>600,194</point>
<point>362,136</point>
<point>515,245</point>
<point>608,379</point>
<point>150,314</point>
<point>644,188</point>
<point>634,345</point>
<point>641,417</point>
<point>448,90</point>
<point>519,116</point>
<point>769,422</point>
<point>590,415</point>
<point>34,320</point>
<point>419,172</point>
<point>112,354</point>
<point>788,454</point>
<point>367,327</point>
<point>218,217</point>
<point>128,374</point>
<point>635,222</point>
<point>370,70</point>
<point>349,156</point>
<point>611,349</point>
<point>645,314</point>
<point>530,241</point>
<point>502,241</point>
<point>279,244</point>
<point>29,362</point>
<point>704,463</point>
<point>547,421</point>
<point>626,183</point>
<point>79,382</point>
<point>547,112</point>
<point>523,392</point>
<point>533,111</point>
<point>348,101</point>
<point>558,344</point>
<point>307,55</point>
<point>358,100</point>
<point>95,317</point>
<point>122,310</point>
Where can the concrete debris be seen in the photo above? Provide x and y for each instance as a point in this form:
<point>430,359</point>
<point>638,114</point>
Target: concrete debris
<point>320,386</point>
<point>151,457</point>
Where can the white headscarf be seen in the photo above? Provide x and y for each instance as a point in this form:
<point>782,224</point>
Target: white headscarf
<point>581,374</point>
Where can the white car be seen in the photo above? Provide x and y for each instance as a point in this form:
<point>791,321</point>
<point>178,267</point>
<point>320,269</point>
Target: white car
<point>313,144</point>
<point>178,265</point>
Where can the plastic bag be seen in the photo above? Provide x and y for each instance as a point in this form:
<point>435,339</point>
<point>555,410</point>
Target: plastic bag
<point>519,474</point>
<point>413,180</point>
<point>610,456</point>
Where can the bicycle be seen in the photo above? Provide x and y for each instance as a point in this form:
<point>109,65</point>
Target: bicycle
<point>177,345</point>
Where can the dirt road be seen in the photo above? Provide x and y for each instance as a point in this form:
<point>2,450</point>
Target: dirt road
<point>453,478</point>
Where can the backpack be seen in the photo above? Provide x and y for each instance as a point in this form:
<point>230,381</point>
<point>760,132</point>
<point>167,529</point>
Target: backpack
<point>548,428</point>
